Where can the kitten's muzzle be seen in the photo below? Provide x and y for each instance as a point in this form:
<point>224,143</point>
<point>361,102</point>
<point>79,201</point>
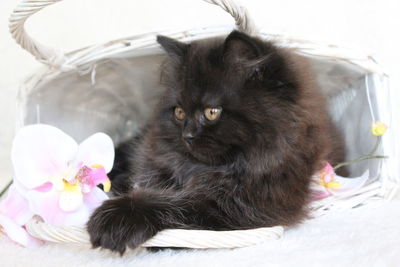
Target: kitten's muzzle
<point>188,137</point>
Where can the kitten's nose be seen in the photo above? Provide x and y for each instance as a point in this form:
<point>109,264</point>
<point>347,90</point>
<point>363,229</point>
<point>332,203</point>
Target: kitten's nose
<point>188,136</point>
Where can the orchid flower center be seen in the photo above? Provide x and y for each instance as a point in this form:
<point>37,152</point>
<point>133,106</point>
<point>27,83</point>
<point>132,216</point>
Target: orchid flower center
<point>84,180</point>
<point>327,178</point>
<point>79,181</point>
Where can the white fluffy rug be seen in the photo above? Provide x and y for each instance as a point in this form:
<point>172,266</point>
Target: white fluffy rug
<point>367,236</point>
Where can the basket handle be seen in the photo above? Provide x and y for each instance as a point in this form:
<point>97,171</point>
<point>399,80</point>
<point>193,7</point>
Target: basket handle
<point>55,57</point>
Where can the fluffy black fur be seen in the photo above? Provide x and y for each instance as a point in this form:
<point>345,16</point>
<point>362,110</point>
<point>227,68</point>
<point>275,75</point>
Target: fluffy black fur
<point>249,168</point>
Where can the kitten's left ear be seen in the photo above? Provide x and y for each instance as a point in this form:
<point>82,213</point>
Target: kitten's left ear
<point>174,48</point>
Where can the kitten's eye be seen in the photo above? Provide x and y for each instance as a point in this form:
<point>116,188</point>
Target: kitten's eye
<point>212,113</point>
<point>179,114</point>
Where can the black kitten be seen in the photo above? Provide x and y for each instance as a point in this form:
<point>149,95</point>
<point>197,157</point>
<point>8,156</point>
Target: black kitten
<point>233,145</point>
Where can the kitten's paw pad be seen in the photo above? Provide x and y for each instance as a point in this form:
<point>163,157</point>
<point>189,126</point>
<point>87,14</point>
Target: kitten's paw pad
<point>115,225</point>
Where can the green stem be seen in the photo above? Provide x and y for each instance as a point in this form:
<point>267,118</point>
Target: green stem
<point>369,156</point>
<point>341,164</point>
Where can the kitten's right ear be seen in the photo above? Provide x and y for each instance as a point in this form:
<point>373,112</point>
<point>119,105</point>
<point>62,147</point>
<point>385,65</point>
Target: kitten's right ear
<point>240,47</point>
<point>174,48</point>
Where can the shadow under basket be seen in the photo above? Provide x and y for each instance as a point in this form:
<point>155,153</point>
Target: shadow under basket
<point>114,87</point>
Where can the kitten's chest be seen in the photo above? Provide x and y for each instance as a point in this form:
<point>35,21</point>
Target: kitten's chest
<point>189,174</point>
<point>180,172</point>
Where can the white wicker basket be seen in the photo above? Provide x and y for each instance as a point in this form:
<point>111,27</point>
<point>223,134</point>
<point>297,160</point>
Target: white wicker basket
<point>130,67</point>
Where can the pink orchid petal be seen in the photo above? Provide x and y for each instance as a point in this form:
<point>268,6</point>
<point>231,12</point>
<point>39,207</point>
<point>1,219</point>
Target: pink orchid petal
<point>95,198</point>
<point>39,152</point>
<point>91,201</point>
<point>98,175</point>
<point>17,233</point>
<point>97,149</point>
<point>15,207</point>
<point>70,201</point>
<point>92,177</point>
<point>320,194</point>
<point>327,172</point>
<point>46,187</point>
<point>46,205</point>
<point>327,178</point>
<point>76,218</point>
<point>350,184</point>
<point>328,168</point>
<point>318,191</point>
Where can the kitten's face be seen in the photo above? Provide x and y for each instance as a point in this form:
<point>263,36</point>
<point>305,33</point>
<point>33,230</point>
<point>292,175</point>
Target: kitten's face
<point>214,106</point>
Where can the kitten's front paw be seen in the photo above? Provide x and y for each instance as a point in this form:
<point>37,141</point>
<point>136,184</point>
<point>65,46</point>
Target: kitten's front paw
<point>115,225</point>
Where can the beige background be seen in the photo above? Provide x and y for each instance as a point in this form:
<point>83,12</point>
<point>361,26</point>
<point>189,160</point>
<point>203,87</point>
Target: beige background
<point>369,25</point>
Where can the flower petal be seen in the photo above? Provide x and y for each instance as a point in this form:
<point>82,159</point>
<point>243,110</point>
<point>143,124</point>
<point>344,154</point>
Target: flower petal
<point>15,207</point>
<point>46,187</point>
<point>378,128</point>
<point>46,205</point>
<point>320,193</point>
<point>350,184</point>
<point>90,177</point>
<point>95,198</point>
<point>91,201</point>
<point>98,176</point>
<point>97,149</point>
<point>78,218</point>
<point>39,152</point>
<point>70,201</point>
<point>17,233</point>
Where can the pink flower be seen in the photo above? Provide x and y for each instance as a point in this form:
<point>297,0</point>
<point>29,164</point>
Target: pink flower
<point>55,178</point>
<point>326,183</point>
<point>14,214</point>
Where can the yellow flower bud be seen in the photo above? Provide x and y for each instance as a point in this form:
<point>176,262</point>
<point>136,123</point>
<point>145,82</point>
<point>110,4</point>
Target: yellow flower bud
<point>378,128</point>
